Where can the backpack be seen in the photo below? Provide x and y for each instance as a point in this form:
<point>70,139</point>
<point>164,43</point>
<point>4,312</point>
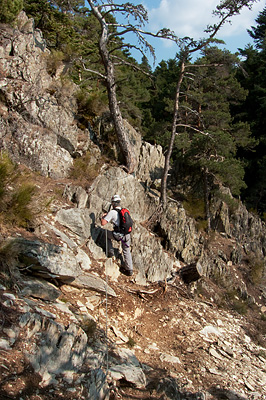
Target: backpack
<point>126,221</point>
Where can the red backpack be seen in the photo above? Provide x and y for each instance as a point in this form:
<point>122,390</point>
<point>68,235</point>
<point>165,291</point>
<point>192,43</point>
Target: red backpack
<point>126,221</point>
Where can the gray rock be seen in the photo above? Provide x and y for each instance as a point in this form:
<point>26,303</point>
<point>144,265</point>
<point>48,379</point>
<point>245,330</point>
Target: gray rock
<point>4,344</point>
<point>89,281</point>
<point>129,373</point>
<point>180,233</point>
<point>97,385</point>
<point>170,359</point>
<point>50,261</point>
<point>79,221</point>
<point>40,289</point>
<point>60,350</point>
<point>133,195</point>
<point>147,255</point>
<point>69,242</point>
<point>126,366</point>
<point>145,248</point>
<point>151,163</point>
<point>47,260</point>
<point>77,195</point>
<point>42,133</point>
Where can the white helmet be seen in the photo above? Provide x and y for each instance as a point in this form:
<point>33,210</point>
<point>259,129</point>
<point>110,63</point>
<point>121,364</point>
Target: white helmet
<point>115,198</point>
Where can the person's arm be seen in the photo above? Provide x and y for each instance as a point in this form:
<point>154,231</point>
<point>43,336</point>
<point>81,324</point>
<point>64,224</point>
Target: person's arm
<point>103,220</point>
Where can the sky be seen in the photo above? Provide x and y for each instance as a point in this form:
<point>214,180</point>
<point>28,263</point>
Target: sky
<point>190,18</point>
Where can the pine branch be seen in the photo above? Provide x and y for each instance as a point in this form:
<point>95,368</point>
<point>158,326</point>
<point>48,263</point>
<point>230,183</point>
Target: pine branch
<point>93,71</point>
<point>135,67</point>
<point>194,129</point>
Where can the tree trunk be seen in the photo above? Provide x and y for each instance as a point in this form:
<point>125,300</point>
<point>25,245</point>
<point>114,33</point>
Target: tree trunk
<point>122,136</point>
<point>163,198</point>
<point>206,199</point>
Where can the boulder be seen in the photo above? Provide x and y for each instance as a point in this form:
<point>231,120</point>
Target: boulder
<point>125,365</point>
<point>114,180</point>
<point>58,263</point>
<point>61,350</point>
<point>39,288</point>
<point>179,233</point>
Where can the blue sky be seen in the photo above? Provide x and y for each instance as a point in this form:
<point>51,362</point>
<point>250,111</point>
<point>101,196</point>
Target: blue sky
<point>190,18</point>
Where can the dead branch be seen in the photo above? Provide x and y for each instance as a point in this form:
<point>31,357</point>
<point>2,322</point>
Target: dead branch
<point>194,129</point>
<point>93,71</point>
<point>135,67</point>
<point>140,292</point>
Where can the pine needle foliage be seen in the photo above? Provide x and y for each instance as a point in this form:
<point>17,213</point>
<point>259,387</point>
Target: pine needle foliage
<point>9,9</point>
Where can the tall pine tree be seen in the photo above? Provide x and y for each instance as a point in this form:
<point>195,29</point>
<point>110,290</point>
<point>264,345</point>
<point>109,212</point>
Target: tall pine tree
<point>252,77</point>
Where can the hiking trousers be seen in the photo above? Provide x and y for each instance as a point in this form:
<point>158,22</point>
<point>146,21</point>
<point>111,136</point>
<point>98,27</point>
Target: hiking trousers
<point>126,241</point>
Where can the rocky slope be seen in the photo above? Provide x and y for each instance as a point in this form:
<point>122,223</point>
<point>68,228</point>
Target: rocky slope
<point>72,326</point>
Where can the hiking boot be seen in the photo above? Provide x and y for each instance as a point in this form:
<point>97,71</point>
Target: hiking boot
<point>126,272</point>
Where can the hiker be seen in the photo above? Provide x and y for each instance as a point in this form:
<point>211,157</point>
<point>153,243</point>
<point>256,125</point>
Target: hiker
<point>114,217</point>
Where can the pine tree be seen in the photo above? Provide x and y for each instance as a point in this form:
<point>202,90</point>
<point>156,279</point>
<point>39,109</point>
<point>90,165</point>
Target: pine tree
<point>224,11</point>
<point>210,136</point>
<point>9,9</point>
<point>207,140</point>
<point>157,123</point>
<point>252,76</point>
<point>258,33</point>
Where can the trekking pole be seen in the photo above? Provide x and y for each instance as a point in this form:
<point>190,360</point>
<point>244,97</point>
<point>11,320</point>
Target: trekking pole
<point>106,303</point>
<point>106,297</point>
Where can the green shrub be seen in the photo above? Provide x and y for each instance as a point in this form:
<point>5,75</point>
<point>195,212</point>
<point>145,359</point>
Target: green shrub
<point>6,171</point>
<point>236,303</point>
<point>84,169</point>
<point>91,103</point>
<point>9,10</point>
<point>53,61</point>
<point>19,207</point>
<point>231,202</point>
<point>7,255</point>
<point>89,327</point>
<point>195,208</point>
<point>256,269</point>
<point>240,306</point>
<point>15,194</point>
<point>131,343</point>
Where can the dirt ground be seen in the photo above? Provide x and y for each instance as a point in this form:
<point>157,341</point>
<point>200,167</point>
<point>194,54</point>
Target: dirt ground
<point>142,319</point>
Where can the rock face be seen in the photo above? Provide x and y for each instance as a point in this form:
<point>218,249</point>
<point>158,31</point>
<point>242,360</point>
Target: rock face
<point>37,110</point>
<point>151,164</point>
<point>145,246</point>
<point>245,227</point>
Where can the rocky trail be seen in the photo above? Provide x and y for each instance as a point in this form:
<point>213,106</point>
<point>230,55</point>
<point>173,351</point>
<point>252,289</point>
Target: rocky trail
<point>166,339</point>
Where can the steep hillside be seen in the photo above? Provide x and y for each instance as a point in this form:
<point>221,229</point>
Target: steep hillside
<point>72,326</point>
<point>164,338</point>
